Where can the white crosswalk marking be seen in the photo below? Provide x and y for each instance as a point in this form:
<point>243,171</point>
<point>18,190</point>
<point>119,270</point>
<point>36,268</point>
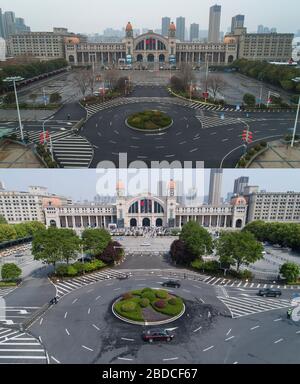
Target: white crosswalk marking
<point>244,306</point>
<point>212,122</point>
<point>73,152</point>
<point>6,291</point>
<point>65,287</point>
<point>17,347</point>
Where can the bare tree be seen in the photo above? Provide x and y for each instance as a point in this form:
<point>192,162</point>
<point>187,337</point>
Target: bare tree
<point>112,77</point>
<point>81,78</point>
<point>187,75</point>
<point>216,84</point>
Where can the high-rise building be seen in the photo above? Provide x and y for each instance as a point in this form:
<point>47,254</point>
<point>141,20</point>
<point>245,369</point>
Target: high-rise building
<point>215,187</point>
<point>180,28</point>
<point>194,32</point>
<point>237,22</point>
<point>165,23</point>
<point>214,24</point>
<point>240,184</point>
<point>273,30</point>
<point>260,29</point>
<point>1,24</point>
<point>9,21</point>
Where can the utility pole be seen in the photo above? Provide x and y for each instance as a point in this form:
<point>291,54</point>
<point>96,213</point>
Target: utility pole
<point>296,123</point>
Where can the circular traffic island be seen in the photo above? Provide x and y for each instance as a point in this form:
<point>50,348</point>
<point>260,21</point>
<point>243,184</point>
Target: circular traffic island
<point>148,307</point>
<point>149,121</point>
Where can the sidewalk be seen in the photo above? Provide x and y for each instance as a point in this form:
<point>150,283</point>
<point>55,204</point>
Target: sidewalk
<point>279,155</point>
<point>13,155</point>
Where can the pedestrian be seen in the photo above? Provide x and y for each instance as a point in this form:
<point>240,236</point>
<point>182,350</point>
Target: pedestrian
<point>69,116</point>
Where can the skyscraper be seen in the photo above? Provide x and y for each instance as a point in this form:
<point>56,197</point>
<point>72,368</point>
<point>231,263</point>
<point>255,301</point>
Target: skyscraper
<point>165,23</point>
<point>260,29</point>
<point>237,22</point>
<point>214,24</point>
<point>180,28</point>
<point>1,24</point>
<point>215,186</point>
<point>240,184</point>
<point>194,32</point>
<point>9,22</point>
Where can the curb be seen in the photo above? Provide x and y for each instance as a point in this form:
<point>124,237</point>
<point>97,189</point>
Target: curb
<point>149,131</point>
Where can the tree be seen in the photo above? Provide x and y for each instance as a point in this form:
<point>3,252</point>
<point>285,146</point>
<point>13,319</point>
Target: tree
<point>179,253</point>
<point>177,83</point>
<point>249,99</point>
<point>54,245</point>
<point>21,230</point>
<point>3,220</point>
<point>7,232</point>
<point>122,84</point>
<point>187,75</point>
<point>33,226</point>
<point>197,239</point>
<point>10,272</point>
<point>33,97</point>
<point>55,98</point>
<point>111,77</point>
<point>290,271</point>
<point>82,81</point>
<point>95,241</point>
<point>9,98</point>
<point>112,253</point>
<point>216,84</point>
<point>238,248</point>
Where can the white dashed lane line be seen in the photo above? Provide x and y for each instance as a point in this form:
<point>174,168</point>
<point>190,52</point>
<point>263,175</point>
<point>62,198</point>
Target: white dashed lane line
<point>208,349</point>
<point>228,333</point>
<point>67,332</point>
<point>278,341</point>
<point>97,298</point>
<point>74,301</point>
<point>87,348</point>
<point>198,329</point>
<point>124,358</point>
<point>66,314</point>
<point>252,329</point>
<point>125,339</point>
<point>54,359</point>
<point>95,326</point>
<point>171,359</point>
<point>230,338</point>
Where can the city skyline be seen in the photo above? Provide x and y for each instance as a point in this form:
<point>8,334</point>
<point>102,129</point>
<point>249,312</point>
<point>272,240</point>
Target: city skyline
<point>65,182</point>
<point>45,15</point>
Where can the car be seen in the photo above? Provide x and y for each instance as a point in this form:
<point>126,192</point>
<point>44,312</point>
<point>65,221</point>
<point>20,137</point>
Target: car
<point>157,335</point>
<point>269,292</point>
<point>85,259</point>
<point>18,255</point>
<point>171,284</point>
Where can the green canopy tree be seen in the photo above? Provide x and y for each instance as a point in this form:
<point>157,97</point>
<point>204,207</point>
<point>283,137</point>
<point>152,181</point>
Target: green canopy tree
<point>95,241</point>
<point>10,272</point>
<point>197,239</point>
<point>238,248</point>
<point>3,220</point>
<point>55,245</point>
<point>249,99</point>
<point>7,232</point>
<point>290,271</point>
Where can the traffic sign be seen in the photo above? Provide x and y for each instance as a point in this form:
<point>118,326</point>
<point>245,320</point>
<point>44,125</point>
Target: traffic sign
<point>238,107</point>
<point>205,95</point>
<point>222,117</point>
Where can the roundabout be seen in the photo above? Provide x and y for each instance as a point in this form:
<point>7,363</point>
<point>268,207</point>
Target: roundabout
<point>149,121</point>
<point>196,134</point>
<point>149,307</point>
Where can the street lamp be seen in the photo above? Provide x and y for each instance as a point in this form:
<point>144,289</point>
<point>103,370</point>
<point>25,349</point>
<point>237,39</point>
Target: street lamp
<point>296,122</point>
<point>14,80</point>
<point>44,133</point>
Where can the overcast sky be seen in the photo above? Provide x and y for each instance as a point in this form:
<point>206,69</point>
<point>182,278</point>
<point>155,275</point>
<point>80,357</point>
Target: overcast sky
<point>81,184</point>
<point>95,15</point>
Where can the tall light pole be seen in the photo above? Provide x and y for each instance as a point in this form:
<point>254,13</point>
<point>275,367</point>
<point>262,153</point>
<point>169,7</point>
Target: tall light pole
<point>44,133</point>
<point>296,122</point>
<point>14,80</point>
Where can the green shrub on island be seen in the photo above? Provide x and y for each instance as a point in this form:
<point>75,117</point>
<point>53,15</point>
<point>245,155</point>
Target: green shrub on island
<point>149,120</point>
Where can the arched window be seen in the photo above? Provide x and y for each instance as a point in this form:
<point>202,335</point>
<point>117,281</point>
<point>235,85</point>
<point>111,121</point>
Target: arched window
<point>239,223</point>
<point>134,208</point>
<point>53,223</point>
<point>158,208</point>
<point>139,58</point>
<point>161,46</point>
<point>159,223</point>
<point>133,223</point>
<point>140,46</point>
<point>150,44</point>
<point>146,206</point>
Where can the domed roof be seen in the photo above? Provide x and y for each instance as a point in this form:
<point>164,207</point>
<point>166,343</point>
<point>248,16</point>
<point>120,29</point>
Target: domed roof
<point>120,184</point>
<point>128,27</point>
<point>172,27</point>
<point>229,40</point>
<point>239,200</point>
<point>72,40</point>
<point>172,184</point>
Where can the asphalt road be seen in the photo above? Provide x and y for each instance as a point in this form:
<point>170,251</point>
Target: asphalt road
<point>196,135</point>
<point>82,329</point>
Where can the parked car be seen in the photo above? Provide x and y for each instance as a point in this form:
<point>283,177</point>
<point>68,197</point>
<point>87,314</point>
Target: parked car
<point>18,255</point>
<point>157,335</point>
<point>171,284</point>
<point>85,259</point>
<point>270,292</point>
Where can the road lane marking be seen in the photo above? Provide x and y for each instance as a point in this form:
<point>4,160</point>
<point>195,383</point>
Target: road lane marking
<point>89,311</point>
<point>209,348</point>
<point>89,349</point>
<point>228,333</point>
<point>125,339</point>
<point>66,314</point>
<point>74,301</point>
<point>230,338</point>
<point>278,341</point>
<point>41,321</point>
<point>124,358</point>
<point>252,329</point>
<point>54,359</point>
<point>198,329</point>
<point>278,319</point>
<point>171,359</point>
<point>67,332</point>
<point>95,326</point>
<point>97,298</point>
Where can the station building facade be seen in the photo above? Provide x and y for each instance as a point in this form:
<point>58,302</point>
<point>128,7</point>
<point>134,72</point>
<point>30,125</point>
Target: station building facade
<point>150,48</point>
<point>145,211</point>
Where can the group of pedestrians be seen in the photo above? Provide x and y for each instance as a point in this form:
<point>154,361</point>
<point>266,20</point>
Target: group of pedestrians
<point>149,232</point>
